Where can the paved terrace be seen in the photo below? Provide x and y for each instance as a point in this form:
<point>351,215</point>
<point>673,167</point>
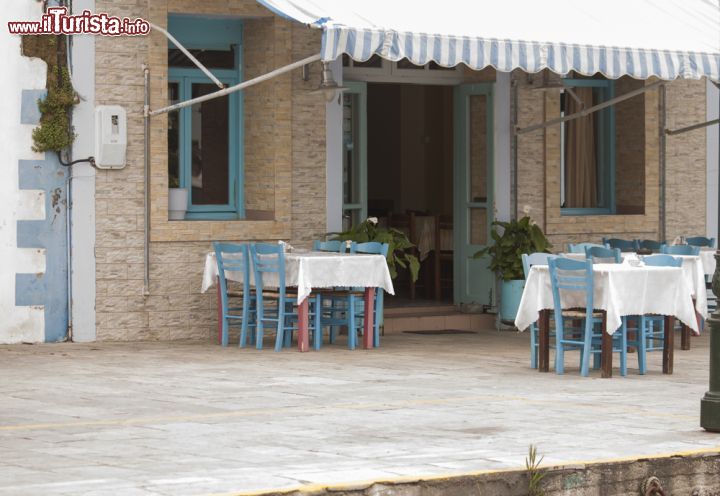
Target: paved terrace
<point>189,418</point>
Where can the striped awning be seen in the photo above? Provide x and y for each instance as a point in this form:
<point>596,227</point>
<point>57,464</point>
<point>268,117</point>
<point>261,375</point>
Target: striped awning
<point>668,39</point>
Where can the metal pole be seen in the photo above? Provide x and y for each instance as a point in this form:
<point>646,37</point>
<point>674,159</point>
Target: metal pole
<point>692,128</point>
<point>237,87</point>
<point>590,110</point>
<point>710,404</point>
<point>189,55</point>
<point>146,143</point>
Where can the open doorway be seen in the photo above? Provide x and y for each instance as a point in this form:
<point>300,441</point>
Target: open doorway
<point>410,180</point>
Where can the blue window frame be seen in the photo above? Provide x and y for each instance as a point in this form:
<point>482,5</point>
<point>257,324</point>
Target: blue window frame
<point>205,141</point>
<point>602,90</point>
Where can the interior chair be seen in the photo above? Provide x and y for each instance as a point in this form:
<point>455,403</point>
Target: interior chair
<point>701,241</point>
<point>528,261</point>
<point>234,258</point>
<point>274,304</point>
<point>599,254</point>
<point>574,276</point>
<point>681,250</point>
<point>580,247</point>
<point>324,295</point>
<point>648,337</point>
<point>334,246</point>
<point>622,244</point>
<point>650,244</point>
<point>443,256</point>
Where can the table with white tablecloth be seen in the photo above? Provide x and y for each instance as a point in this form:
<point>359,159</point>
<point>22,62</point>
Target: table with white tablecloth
<point>308,270</point>
<point>707,256</point>
<point>619,290</point>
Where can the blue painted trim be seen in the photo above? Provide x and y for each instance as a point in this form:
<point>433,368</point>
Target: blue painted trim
<point>606,153</point>
<point>29,111</point>
<point>48,289</point>
<point>359,88</point>
<point>216,33</point>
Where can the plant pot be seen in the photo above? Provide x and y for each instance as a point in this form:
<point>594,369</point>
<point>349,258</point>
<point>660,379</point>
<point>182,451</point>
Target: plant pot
<point>177,203</point>
<point>511,292</point>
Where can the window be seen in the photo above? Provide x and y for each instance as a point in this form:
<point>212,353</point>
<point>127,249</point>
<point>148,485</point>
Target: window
<point>205,145</point>
<point>587,149</point>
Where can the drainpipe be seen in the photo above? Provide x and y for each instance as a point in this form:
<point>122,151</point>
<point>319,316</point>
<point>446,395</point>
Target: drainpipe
<point>513,148</point>
<point>710,404</point>
<point>663,161</point>
<point>146,144</point>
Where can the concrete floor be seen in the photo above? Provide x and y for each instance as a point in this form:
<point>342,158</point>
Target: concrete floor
<point>189,418</point>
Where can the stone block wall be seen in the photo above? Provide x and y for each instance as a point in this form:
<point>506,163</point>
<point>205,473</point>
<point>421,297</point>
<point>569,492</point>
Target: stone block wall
<point>284,165</point>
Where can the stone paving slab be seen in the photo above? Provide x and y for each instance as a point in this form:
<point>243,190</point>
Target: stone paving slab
<point>194,418</point>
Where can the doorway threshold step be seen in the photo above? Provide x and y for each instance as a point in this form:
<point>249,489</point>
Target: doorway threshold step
<point>438,321</point>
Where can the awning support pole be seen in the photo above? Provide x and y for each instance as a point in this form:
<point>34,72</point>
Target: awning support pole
<point>692,128</point>
<point>237,87</point>
<point>188,55</point>
<point>589,110</point>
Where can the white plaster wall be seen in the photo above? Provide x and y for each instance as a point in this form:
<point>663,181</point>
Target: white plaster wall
<point>82,213</point>
<point>713,150</point>
<point>333,137</point>
<point>18,324</point>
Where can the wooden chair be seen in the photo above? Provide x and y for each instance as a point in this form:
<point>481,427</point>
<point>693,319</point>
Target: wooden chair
<point>528,261</point>
<point>623,244</point>
<point>701,241</point>
<point>603,255</point>
<point>233,258</point>
<point>650,244</point>
<point>580,247</point>
<point>442,256</point>
<point>681,250</point>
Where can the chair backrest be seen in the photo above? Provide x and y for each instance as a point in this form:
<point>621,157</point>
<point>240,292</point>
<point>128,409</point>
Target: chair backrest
<point>623,244</point>
<point>268,257</point>
<point>531,259</point>
<point>334,246</point>
<point>580,247</point>
<point>233,258</point>
<point>701,241</point>
<point>570,275</point>
<point>650,244</point>
<point>370,248</point>
<point>681,250</point>
<point>604,255</point>
<point>662,261</point>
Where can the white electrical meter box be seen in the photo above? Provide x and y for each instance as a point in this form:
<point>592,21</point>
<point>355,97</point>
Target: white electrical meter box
<point>110,137</point>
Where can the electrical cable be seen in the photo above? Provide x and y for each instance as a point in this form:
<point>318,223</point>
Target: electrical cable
<point>89,160</point>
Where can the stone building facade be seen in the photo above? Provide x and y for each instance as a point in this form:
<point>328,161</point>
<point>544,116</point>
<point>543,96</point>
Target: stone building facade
<point>285,169</point>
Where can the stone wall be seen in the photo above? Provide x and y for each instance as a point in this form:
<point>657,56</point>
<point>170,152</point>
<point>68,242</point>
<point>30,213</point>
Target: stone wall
<point>284,165</point>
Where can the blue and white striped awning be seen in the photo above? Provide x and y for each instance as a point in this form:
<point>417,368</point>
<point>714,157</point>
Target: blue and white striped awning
<point>668,39</point>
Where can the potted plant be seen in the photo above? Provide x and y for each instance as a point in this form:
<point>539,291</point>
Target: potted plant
<point>177,200</point>
<point>399,246</point>
<point>517,237</point>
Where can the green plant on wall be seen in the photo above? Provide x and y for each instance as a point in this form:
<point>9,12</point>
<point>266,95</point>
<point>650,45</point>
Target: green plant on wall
<point>399,246</point>
<point>55,132</point>
<point>517,237</point>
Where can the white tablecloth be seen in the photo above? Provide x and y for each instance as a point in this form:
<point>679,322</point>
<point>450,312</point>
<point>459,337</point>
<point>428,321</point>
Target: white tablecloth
<point>708,261</point>
<point>309,269</point>
<point>425,236</point>
<point>620,290</point>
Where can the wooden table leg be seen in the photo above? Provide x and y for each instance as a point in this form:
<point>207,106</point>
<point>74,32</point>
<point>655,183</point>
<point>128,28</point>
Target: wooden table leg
<point>606,350</point>
<point>544,341</point>
<point>303,338</point>
<point>219,309</point>
<point>668,344</point>
<point>368,325</point>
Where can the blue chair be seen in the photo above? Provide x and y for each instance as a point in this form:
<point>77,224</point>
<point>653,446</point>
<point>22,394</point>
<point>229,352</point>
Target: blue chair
<point>234,258</point>
<point>622,244</point>
<point>577,277</point>
<point>648,338</point>
<point>701,241</point>
<point>650,244</point>
<point>348,306</point>
<point>528,261</point>
<point>270,259</point>
<point>603,255</point>
<point>580,247</point>
<point>681,250</point>
<point>333,246</point>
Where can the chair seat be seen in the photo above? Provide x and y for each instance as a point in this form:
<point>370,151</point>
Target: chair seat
<point>579,314</point>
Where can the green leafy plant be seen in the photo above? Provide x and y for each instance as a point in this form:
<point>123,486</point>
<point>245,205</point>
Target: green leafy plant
<point>517,237</point>
<point>535,475</point>
<point>55,132</point>
<point>399,246</point>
